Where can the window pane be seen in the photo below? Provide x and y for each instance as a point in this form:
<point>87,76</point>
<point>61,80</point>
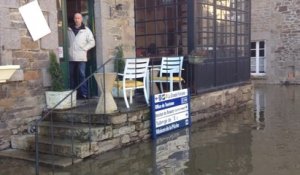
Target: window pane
<point>160,12</point>
<point>253,53</point>
<point>150,14</point>
<point>150,3</point>
<point>151,28</point>
<point>150,40</point>
<point>262,44</point>
<point>139,3</point>
<point>140,29</point>
<point>261,65</point>
<point>161,40</point>
<point>261,53</point>
<point>140,42</point>
<point>140,15</point>
<point>160,26</point>
<point>253,68</point>
<point>253,45</point>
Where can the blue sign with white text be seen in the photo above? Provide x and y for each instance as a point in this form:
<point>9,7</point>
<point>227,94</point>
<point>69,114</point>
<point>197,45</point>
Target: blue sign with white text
<point>170,111</point>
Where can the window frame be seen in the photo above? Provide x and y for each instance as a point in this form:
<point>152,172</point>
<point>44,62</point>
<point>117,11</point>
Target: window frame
<point>258,58</point>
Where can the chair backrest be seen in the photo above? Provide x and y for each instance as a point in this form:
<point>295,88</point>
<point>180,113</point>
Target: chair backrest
<point>171,65</point>
<point>136,68</point>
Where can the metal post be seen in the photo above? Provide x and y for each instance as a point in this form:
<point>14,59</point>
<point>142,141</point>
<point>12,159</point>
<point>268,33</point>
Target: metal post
<point>37,167</point>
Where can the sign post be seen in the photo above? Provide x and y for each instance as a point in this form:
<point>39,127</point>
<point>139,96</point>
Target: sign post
<point>170,111</point>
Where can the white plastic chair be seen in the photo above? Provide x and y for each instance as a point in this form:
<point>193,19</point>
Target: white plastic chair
<point>170,72</point>
<point>135,68</point>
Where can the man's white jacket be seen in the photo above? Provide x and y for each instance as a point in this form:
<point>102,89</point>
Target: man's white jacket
<point>80,44</point>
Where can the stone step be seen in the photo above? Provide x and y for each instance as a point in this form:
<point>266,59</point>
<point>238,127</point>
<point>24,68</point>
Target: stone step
<point>44,159</point>
<point>63,147</point>
<point>79,117</point>
<point>79,131</point>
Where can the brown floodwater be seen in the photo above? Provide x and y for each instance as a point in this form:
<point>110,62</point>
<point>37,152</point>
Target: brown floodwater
<point>260,139</point>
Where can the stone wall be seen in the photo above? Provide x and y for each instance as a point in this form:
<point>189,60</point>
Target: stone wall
<point>220,102</point>
<point>22,98</point>
<point>135,127</point>
<point>114,27</point>
<point>277,22</point>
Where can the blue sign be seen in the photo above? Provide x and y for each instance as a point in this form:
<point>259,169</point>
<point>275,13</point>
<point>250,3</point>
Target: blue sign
<point>170,111</point>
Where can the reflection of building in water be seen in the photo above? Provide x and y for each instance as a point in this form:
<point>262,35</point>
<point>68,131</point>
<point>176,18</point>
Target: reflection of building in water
<point>172,152</point>
<point>223,148</point>
<point>259,110</point>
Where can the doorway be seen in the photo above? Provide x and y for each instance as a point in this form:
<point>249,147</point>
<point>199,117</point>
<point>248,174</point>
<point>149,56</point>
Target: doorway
<point>66,10</point>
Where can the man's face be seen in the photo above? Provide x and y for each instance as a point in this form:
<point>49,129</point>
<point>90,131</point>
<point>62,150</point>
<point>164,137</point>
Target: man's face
<point>78,19</point>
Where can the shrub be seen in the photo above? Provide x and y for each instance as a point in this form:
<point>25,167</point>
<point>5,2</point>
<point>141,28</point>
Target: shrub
<point>56,73</point>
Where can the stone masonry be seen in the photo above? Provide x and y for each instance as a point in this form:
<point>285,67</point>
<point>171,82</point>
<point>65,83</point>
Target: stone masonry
<point>277,23</point>
<point>121,130</point>
<point>22,98</point>
<point>114,27</point>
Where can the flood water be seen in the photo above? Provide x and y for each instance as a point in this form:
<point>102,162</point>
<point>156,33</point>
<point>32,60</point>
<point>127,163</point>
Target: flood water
<point>261,139</point>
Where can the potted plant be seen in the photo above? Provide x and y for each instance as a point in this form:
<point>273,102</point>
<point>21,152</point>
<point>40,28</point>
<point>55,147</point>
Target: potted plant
<point>119,63</point>
<point>119,66</point>
<point>58,92</point>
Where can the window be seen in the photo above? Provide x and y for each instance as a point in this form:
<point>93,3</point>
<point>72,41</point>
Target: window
<point>258,66</point>
<point>161,27</point>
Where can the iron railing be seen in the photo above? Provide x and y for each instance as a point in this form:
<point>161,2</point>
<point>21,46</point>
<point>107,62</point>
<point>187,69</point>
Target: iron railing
<point>199,77</point>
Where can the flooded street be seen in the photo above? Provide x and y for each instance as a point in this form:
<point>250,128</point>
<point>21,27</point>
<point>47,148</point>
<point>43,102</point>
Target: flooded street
<point>261,139</point>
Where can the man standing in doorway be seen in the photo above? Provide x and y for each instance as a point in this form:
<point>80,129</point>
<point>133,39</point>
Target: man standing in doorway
<point>81,40</point>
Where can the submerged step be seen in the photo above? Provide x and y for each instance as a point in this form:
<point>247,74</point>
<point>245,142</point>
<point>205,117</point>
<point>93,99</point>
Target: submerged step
<point>44,159</point>
<point>83,118</point>
<point>82,132</point>
<point>79,117</point>
<point>65,147</point>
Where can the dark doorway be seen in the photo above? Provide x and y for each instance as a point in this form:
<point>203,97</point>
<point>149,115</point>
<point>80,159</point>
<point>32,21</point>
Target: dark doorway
<point>66,11</point>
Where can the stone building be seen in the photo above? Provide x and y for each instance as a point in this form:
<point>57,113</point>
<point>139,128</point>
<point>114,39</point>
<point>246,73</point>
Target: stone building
<point>217,27</point>
<point>22,97</point>
<point>275,40</point>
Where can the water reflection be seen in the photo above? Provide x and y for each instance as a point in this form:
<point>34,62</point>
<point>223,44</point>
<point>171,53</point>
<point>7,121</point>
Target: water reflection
<point>223,147</point>
<point>172,152</point>
<point>259,110</point>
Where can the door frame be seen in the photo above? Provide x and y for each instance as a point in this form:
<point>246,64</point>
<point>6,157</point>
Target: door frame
<point>91,64</point>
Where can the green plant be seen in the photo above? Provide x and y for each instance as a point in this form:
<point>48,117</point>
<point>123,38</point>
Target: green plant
<point>56,73</point>
<point>119,63</point>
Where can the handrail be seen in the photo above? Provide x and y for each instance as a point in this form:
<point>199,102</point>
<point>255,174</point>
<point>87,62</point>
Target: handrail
<point>86,79</point>
<point>34,127</point>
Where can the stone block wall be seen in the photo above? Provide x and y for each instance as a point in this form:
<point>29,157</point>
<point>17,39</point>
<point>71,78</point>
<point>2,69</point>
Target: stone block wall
<point>22,98</point>
<point>277,22</point>
<point>115,27</point>
<point>220,102</point>
<point>125,129</point>
<point>135,127</point>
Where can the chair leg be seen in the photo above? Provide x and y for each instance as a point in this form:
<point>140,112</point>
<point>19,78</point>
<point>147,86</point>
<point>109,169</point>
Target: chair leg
<point>125,97</point>
<point>161,87</point>
<point>130,96</point>
<point>146,96</point>
<point>180,85</point>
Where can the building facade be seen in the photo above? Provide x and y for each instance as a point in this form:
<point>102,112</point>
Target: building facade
<point>275,40</point>
<point>218,28</point>
<point>22,98</point>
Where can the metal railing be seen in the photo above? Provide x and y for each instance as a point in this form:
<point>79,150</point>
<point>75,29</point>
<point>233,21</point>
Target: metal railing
<point>191,78</point>
<point>48,115</point>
